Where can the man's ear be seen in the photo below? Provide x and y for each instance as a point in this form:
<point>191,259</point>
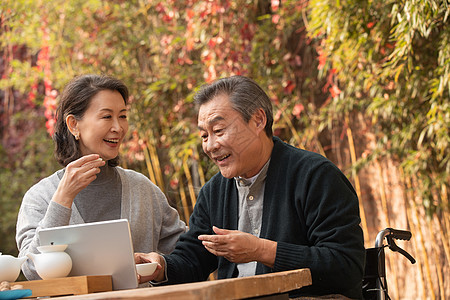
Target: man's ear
<point>260,119</point>
<point>72,125</point>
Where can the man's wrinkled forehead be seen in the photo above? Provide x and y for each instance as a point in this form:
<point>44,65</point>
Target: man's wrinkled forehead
<point>210,114</point>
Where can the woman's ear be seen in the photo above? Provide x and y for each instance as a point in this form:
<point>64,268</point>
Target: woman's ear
<point>72,125</point>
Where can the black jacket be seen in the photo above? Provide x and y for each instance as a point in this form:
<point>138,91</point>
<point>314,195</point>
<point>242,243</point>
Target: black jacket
<point>310,209</point>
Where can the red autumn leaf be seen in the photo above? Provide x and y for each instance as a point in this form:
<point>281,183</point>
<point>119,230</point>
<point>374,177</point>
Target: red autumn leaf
<point>277,116</point>
<point>246,32</point>
<point>190,14</point>
<point>275,4</point>
<point>189,44</point>
<point>167,170</point>
<point>48,114</point>
<point>160,7</point>
<point>50,126</point>
<point>211,43</point>
<point>289,87</point>
<point>174,183</point>
<point>298,108</point>
<point>275,19</point>
<point>31,96</point>
<point>322,59</point>
<point>334,90</point>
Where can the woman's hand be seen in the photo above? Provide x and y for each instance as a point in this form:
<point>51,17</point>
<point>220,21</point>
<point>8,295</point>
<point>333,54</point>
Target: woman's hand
<point>77,175</point>
<point>158,275</point>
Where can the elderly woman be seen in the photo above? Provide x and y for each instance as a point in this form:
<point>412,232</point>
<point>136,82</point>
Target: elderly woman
<point>91,125</point>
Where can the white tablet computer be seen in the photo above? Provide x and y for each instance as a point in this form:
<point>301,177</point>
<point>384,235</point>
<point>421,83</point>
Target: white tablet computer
<point>99,248</point>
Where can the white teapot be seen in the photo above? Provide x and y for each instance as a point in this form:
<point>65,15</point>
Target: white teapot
<point>53,262</point>
<point>10,267</point>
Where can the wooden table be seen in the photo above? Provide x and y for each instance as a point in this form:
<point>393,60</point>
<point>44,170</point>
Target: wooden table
<point>235,288</point>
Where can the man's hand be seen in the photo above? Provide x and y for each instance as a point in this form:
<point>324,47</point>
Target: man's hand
<point>158,275</point>
<point>240,247</point>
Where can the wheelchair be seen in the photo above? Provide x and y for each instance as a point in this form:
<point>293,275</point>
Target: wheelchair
<point>374,280</point>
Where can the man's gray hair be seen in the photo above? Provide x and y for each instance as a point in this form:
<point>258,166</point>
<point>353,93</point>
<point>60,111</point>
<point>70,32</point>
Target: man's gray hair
<point>246,97</point>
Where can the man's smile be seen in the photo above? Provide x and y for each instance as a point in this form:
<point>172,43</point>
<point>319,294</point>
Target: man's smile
<point>222,158</point>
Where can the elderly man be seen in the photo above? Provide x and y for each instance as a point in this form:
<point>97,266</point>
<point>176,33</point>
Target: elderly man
<point>272,207</point>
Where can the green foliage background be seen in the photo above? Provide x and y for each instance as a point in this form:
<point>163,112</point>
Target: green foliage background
<point>325,64</point>
<point>393,62</point>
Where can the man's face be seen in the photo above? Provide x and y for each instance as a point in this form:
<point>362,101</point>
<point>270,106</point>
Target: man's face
<point>233,144</point>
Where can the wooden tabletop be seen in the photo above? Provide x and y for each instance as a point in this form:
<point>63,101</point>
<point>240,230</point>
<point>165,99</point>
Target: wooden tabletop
<point>235,288</point>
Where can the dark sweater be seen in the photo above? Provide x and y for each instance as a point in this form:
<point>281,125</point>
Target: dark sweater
<point>310,209</point>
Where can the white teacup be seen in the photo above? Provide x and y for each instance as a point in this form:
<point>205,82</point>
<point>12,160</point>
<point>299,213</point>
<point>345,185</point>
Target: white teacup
<point>146,269</point>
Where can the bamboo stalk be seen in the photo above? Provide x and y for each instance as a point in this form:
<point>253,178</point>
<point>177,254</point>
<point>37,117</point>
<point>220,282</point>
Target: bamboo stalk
<point>357,184</point>
<point>319,145</point>
<point>187,173</point>
<point>184,202</point>
<point>297,136</point>
<point>291,128</point>
<point>444,239</point>
<point>201,174</point>
<point>156,164</point>
<point>444,196</point>
<point>436,259</point>
<point>413,228</point>
<point>9,98</point>
<point>383,193</point>
<point>446,208</point>
<point>422,242</point>
<point>123,163</point>
<point>148,163</point>
<point>386,214</point>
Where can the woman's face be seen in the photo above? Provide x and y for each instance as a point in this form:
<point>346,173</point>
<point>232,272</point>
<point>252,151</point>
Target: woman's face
<point>104,125</point>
